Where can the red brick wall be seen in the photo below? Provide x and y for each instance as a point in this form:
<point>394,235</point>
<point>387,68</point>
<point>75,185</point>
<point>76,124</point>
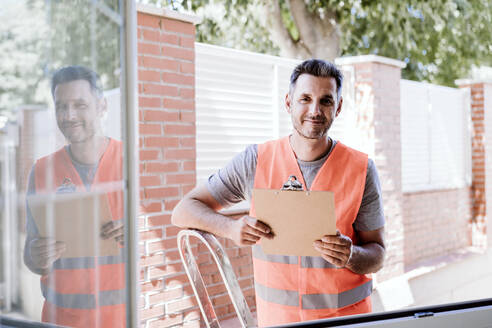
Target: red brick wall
<point>478,152</point>
<point>377,100</point>
<point>167,171</point>
<point>25,155</point>
<point>477,223</point>
<point>478,219</point>
<point>166,73</point>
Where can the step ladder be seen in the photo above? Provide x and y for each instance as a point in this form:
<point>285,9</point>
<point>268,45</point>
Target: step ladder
<point>227,273</point>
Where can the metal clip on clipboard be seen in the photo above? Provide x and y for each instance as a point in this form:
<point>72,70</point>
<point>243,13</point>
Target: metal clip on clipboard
<point>292,184</point>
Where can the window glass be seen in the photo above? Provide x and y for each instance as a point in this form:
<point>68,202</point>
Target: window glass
<point>430,154</point>
<point>62,195</point>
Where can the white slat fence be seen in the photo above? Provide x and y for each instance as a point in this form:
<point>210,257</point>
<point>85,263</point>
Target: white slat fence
<point>435,137</point>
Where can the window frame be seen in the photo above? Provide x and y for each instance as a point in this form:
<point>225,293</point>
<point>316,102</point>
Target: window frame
<point>129,101</point>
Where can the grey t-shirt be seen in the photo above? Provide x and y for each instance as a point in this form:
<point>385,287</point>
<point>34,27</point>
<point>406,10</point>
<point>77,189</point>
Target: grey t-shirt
<point>234,183</point>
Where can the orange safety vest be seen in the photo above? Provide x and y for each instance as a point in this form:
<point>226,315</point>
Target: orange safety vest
<point>300,288</point>
<point>87,291</point>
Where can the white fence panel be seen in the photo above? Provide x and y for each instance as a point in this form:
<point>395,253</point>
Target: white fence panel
<point>435,137</point>
<point>346,126</point>
<point>415,135</point>
<point>239,101</point>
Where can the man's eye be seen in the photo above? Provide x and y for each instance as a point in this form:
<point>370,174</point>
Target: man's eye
<point>81,106</point>
<point>304,99</point>
<point>326,102</point>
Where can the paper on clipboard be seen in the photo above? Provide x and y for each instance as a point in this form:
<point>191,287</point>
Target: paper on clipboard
<point>297,219</point>
<point>76,219</point>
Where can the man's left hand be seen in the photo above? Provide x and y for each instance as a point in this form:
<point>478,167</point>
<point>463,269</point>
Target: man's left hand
<point>336,249</point>
<point>113,229</point>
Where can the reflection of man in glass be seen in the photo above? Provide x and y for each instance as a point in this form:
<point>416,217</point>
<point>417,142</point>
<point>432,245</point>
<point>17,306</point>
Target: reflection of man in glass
<point>81,291</point>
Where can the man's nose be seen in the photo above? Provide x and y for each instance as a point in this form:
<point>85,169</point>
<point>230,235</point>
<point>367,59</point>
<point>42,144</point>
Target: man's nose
<point>70,112</point>
<point>314,108</point>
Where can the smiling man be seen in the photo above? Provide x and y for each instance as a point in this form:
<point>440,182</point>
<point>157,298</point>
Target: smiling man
<point>79,291</point>
<point>291,288</point>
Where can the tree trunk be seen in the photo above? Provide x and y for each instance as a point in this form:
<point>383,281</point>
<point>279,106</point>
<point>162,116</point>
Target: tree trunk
<point>319,35</point>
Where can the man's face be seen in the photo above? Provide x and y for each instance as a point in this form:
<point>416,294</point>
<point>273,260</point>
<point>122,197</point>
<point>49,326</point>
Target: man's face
<point>313,105</point>
<point>78,111</point>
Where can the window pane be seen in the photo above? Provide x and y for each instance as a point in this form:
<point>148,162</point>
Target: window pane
<point>61,163</point>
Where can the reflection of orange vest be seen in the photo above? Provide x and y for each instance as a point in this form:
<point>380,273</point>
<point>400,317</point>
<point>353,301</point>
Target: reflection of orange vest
<point>88,291</point>
<point>300,288</point>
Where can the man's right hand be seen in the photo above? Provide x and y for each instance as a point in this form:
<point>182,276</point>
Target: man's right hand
<point>45,251</point>
<point>248,230</point>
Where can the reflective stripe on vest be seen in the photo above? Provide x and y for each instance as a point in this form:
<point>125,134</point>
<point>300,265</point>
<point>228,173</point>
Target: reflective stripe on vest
<point>85,262</point>
<point>316,262</point>
<point>308,287</point>
<point>335,301</point>
<point>259,254</point>
<point>278,296</point>
<point>306,261</point>
<point>314,301</point>
<point>84,301</point>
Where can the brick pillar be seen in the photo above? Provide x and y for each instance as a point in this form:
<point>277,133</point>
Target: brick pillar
<point>487,105</point>
<point>166,74</point>
<point>25,157</point>
<point>377,93</point>
<point>481,151</point>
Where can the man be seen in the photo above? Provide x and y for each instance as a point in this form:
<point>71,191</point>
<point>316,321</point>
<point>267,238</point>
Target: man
<point>291,288</point>
<point>82,291</point>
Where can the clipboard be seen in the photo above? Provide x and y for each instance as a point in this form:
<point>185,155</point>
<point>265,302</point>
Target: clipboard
<point>76,219</point>
<point>297,219</point>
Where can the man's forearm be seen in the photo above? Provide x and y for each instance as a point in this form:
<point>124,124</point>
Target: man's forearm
<point>192,213</point>
<point>367,258</point>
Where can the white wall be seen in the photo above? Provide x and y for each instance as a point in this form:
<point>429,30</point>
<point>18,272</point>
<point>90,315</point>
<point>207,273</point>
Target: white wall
<point>435,137</point>
<point>239,101</point>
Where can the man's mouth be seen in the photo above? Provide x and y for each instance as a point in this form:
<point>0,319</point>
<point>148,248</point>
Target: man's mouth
<point>315,122</point>
<point>71,125</point>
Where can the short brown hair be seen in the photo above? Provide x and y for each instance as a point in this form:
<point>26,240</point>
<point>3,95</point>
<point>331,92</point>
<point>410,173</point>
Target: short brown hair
<point>74,73</point>
<point>319,68</point>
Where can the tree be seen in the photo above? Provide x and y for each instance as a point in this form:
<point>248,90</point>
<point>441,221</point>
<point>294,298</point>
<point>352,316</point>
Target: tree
<point>438,39</point>
<point>81,34</point>
<point>21,55</point>
<point>39,36</point>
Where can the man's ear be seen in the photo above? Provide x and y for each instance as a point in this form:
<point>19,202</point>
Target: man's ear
<point>339,107</point>
<point>288,102</point>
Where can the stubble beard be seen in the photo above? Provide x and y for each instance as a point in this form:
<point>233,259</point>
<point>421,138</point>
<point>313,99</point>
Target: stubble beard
<point>314,134</point>
<point>87,134</point>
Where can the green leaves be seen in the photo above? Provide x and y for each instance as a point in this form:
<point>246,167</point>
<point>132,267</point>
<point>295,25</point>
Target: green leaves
<point>38,37</point>
<point>439,39</point>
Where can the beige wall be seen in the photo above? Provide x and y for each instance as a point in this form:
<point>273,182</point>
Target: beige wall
<point>435,223</point>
